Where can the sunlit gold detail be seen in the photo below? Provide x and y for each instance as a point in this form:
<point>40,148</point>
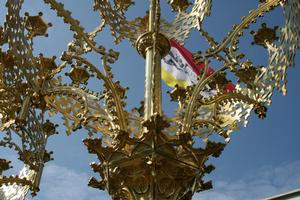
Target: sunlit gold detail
<point>123,4</point>
<point>36,25</point>
<point>79,75</point>
<point>4,165</point>
<point>264,34</point>
<point>146,41</point>
<point>164,168</point>
<point>49,128</point>
<point>143,154</point>
<point>179,5</point>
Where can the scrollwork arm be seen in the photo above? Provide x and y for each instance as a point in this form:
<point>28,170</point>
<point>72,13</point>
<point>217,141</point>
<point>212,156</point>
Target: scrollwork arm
<point>75,24</point>
<point>108,83</point>
<point>264,7</point>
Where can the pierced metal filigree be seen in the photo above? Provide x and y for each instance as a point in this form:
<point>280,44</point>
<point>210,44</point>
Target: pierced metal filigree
<point>143,154</point>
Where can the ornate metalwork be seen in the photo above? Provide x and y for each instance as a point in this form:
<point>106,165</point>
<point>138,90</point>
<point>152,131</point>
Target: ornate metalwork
<point>179,5</point>
<point>154,166</point>
<point>143,154</point>
<point>264,35</point>
<point>145,41</point>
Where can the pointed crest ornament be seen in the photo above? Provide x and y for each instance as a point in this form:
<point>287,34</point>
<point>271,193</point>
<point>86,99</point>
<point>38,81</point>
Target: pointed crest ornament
<point>142,153</point>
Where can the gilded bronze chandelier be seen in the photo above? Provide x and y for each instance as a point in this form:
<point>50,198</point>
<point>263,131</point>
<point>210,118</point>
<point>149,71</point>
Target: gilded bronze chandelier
<point>143,154</point>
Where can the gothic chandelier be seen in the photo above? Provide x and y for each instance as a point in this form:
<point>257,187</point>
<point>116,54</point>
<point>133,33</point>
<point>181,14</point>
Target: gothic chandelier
<point>143,154</point>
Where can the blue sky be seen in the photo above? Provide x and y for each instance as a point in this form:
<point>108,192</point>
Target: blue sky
<point>261,160</point>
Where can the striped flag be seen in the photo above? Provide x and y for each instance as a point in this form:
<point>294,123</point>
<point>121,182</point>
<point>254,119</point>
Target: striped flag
<point>179,67</point>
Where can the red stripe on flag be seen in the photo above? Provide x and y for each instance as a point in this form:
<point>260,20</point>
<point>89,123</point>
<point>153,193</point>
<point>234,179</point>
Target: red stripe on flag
<point>196,67</point>
<point>189,58</point>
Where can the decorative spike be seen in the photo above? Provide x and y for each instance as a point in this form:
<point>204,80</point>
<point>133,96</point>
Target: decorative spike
<point>36,26</point>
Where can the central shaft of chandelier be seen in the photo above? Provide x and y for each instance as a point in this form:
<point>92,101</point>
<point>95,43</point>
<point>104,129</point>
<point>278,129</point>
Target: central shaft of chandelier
<point>153,46</point>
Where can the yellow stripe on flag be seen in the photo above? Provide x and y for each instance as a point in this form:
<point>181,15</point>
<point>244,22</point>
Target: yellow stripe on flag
<point>171,80</point>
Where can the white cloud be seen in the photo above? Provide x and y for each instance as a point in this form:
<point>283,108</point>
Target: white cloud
<point>267,181</point>
<point>59,182</point>
<point>62,183</point>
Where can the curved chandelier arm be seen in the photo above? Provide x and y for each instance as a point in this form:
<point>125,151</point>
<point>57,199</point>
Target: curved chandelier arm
<point>76,104</point>
<point>211,41</point>
<point>184,22</point>
<point>231,38</point>
<point>191,105</point>
<point>117,21</point>
<point>31,150</point>
<point>67,90</point>
<point>64,89</point>
<point>204,122</point>
<point>110,85</point>
<point>195,94</point>
<point>17,187</point>
<point>161,151</point>
<point>229,95</point>
<point>263,7</point>
<point>56,71</point>
<point>20,46</point>
<point>8,142</point>
<point>74,24</point>
<point>122,28</point>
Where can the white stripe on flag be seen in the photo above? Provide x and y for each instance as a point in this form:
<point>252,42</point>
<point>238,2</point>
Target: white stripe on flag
<point>176,65</point>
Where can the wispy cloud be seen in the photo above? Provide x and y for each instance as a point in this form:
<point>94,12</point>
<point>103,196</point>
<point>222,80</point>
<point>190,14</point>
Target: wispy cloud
<point>267,181</point>
<point>62,183</point>
<point>59,182</point>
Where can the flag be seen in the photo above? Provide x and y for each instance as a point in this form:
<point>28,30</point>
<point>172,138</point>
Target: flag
<point>179,68</point>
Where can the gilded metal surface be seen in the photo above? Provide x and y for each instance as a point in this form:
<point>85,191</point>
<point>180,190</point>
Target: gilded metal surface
<point>4,165</point>
<point>179,5</point>
<point>123,4</point>
<point>153,166</point>
<point>143,154</point>
<point>264,35</point>
<point>36,26</point>
<point>145,41</point>
<point>180,28</point>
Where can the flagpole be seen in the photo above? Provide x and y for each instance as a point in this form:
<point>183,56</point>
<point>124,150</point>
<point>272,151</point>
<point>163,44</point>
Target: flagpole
<point>153,45</point>
<point>153,68</point>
